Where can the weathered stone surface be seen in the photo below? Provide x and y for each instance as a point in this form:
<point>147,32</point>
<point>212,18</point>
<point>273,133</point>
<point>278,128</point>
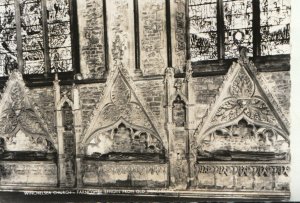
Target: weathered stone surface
<point>149,128</point>
<point>108,174</point>
<point>152,36</point>
<point>21,174</point>
<point>280,87</point>
<point>178,10</point>
<point>242,177</point>
<point>90,95</point>
<point>91,33</point>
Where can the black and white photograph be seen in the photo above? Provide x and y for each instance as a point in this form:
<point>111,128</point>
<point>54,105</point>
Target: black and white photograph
<point>149,100</point>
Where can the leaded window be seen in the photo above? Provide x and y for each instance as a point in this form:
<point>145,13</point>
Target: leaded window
<point>275,26</point>
<point>203,30</point>
<point>8,36</point>
<point>218,28</point>
<point>44,43</point>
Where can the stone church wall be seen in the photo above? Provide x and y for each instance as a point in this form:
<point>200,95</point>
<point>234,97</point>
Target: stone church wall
<point>155,121</point>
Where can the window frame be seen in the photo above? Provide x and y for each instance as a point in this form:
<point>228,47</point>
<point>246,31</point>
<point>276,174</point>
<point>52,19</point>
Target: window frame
<point>47,77</point>
<point>220,66</point>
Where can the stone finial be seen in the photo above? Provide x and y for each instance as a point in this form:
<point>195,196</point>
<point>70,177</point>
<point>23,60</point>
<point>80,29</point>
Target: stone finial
<point>243,58</point>
<point>78,76</point>
<point>178,85</point>
<point>189,71</point>
<point>169,73</point>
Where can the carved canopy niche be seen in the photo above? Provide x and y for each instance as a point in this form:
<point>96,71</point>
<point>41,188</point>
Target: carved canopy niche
<point>121,129</point>
<point>245,123</point>
<point>22,129</point>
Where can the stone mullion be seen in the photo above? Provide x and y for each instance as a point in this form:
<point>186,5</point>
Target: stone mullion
<point>220,26</point>
<point>168,32</point>
<point>187,31</point>
<point>19,36</point>
<point>105,40</point>
<point>45,39</point>
<point>137,37</point>
<point>74,36</point>
<point>256,28</point>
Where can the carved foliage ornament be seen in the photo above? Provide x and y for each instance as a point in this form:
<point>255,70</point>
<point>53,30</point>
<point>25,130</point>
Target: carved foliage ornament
<point>18,114</point>
<point>242,124</point>
<point>19,121</point>
<point>123,115</point>
<point>123,105</point>
<point>242,101</point>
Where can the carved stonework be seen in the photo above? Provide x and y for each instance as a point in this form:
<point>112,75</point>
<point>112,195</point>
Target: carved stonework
<point>69,150</point>
<point>119,35</point>
<point>246,177</point>
<point>244,141</point>
<point>109,174</point>
<point>67,115</point>
<point>120,94</point>
<point>242,98</point>
<point>28,174</point>
<point>179,112</point>
<point>121,105</point>
<point>20,122</point>
<point>124,143</point>
<point>242,101</point>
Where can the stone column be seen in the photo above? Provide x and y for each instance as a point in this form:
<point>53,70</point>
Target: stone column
<point>60,131</point>
<point>78,131</point>
<point>190,121</point>
<point>177,137</point>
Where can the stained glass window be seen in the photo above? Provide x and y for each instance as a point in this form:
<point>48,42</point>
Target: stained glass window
<point>32,36</point>
<point>219,35</point>
<point>203,29</point>
<point>35,45</point>
<point>59,35</point>
<point>8,38</point>
<point>237,26</point>
<point>275,26</point>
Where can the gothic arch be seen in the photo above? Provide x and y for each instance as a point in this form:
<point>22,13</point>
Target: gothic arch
<point>242,98</point>
<point>120,102</point>
<point>19,113</point>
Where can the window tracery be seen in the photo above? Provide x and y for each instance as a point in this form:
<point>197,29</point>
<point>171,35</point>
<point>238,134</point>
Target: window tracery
<point>218,28</point>
<point>45,36</point>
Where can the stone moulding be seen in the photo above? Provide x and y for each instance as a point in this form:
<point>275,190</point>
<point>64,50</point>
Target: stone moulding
<point>132,109</point>
<point>20,115</point>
